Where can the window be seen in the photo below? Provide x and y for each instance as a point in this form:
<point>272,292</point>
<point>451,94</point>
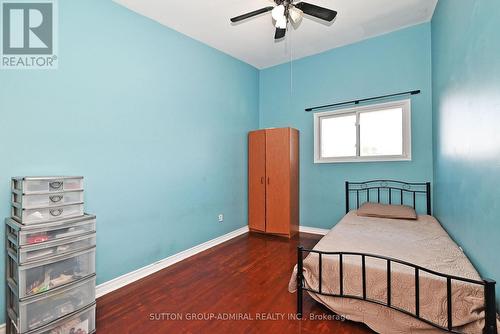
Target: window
<point>379,132</point>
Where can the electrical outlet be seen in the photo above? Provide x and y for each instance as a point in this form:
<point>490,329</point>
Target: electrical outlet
<point>221,217</point>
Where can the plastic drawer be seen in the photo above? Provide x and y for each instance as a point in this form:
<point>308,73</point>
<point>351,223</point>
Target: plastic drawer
<point>34,201</point>
<point>22,235</point>
<point>40,215</point>
<point>42,184</point>
<point>33,313</point>
<point>40,276</point>
<point>26,254</point>
<point>83,322</point>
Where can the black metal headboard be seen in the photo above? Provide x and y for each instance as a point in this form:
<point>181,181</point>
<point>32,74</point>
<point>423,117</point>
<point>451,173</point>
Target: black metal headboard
<point>404,193</point>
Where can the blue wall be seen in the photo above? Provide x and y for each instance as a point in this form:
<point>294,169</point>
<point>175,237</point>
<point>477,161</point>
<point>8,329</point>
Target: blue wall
<point>155,121</point>
<point>466,101</point>
<point>395,62</point>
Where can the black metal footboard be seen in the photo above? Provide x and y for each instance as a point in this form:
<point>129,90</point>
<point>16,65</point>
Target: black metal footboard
<point>489,288</point>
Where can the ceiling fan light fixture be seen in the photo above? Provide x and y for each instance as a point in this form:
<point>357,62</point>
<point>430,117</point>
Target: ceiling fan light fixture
<point>281,23</point>
<point>278,13</point>
<point>295,14</point>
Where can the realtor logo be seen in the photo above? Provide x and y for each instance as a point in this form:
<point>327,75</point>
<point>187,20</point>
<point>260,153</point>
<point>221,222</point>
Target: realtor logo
<point>28,35</point>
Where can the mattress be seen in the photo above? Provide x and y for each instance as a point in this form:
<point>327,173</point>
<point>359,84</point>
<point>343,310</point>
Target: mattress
<point>421,242</point>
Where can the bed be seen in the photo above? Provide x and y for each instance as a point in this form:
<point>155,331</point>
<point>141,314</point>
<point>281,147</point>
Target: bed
<point>395,275</point>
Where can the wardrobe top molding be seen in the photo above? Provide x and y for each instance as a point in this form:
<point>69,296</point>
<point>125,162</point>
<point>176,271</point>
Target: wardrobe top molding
<point>285,127</point>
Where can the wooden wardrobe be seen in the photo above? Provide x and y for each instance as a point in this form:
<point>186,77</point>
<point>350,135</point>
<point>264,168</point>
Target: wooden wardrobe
<point>273,181</point>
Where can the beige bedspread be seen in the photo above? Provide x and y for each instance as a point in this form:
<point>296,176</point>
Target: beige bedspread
<point>422,242</point>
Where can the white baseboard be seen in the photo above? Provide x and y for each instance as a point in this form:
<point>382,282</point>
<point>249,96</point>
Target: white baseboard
<point>313,230</point>
<point>135,275</point>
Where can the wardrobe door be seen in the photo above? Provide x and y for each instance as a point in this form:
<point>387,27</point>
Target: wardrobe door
<point>278,181</point>
<point>256,180</point>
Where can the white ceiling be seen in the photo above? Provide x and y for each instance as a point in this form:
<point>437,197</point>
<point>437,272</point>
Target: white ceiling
<point>252,41</point>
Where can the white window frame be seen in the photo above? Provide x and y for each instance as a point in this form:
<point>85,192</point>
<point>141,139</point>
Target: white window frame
<point>406,156</point>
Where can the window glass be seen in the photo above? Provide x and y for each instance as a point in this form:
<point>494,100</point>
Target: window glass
<point>338,136</point>
<point>381,132</point>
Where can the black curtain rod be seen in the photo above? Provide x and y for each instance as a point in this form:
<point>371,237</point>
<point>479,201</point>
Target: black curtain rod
<point>411,92</point>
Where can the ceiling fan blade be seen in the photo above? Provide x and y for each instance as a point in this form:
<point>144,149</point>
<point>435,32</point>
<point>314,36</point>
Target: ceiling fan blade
<point>280,33</point>
<point>295,14</point>
<point>251,14</point>
<point>317,11</point>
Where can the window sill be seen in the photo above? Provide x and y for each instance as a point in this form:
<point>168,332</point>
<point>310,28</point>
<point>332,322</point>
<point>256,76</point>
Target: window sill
<point>361,159</point>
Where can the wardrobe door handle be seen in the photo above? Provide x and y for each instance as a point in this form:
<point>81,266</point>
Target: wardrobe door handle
<point>268,180</point>
<point>262,180</point>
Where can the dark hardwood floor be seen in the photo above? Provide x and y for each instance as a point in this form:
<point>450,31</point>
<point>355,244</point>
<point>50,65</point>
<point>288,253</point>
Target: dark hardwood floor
<point>245,277</point>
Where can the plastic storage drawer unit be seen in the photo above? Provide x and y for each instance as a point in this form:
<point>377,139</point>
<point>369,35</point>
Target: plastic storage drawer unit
<point>36,277</point>
<point>23,235</point>
<point>45,214</point>
<point>32,313</point>
<point>43,184</point>
<point>46,199</point>
<point>50,265</point>
<point>62,246</point>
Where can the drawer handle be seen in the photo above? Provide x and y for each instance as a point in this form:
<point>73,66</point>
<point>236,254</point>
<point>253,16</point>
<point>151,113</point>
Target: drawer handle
<point>55,185</point>
<point>56,212</point>
<point>55,198</point>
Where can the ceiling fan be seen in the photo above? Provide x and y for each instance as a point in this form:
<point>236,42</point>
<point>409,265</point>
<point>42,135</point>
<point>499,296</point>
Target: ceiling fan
<point>286,10</point>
